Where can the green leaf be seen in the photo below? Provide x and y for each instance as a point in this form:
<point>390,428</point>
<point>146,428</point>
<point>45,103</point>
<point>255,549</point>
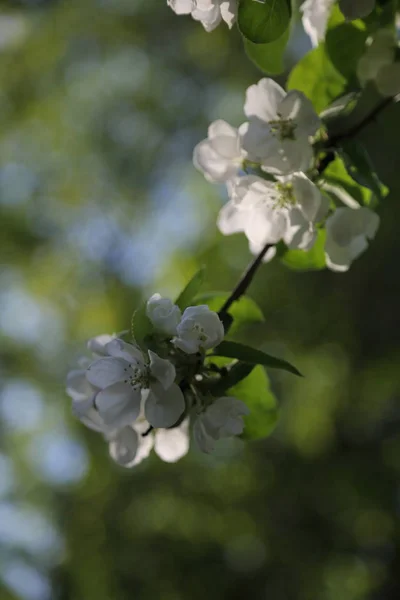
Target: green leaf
<point>345,44</point>
<point>263,22</point>
<point>268,57</point>
<point>337,175</point>
<point>253,356</point>
<point>317,78</point>
<point>189,292</point>
<point>141,326</point>
<point>235,372</point>
<point>310,260</point>
<point>244,312</point>
<point>359,167</point>
<point>255,392</point>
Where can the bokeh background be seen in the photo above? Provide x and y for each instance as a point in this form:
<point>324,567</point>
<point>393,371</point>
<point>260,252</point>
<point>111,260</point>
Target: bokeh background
<point>101,104</point>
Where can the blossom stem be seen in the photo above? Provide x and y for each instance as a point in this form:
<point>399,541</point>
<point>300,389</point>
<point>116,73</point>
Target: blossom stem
<point>335,140</point>
<point>244,282</point>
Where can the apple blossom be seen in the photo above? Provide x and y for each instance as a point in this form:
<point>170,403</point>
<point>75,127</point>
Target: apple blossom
<point>315,18</point>
<point>347,234</point>
<point>199,329</point>
<point>163,314</point>
<point>220,156</point>
<point>280,125</point>
<point>267,212</point>
<point>208,12</point>
<point>122,375</point>
<point>221,419</point>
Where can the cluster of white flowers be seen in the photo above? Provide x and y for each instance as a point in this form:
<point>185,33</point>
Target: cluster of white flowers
<point>209,12</point>
<point>138,400</point>
<point>265,163</point>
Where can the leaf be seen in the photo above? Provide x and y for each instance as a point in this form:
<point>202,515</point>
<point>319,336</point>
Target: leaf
<point>141,326</point>
<point>337,175</point>
<point>345,44</point>
<point>360,168</point>
<point>310,260</point>
<point>189,292</point>
<point>253,356</point>
<point>235,372</point>
<point>268,57</point>
<point>317,78</point>
<point>255,392</point>
<point>244,312</point>
<point>265,21</point>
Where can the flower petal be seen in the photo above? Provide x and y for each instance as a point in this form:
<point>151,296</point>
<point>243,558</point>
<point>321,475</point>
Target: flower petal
<point>129,352</point>
<point>124,446</point>
<point>98,344</point>
<point>172,444</point>
<point>263,100</point>
<point>106,371</point>
<point>119,404</point>
<point>163,370</point>
<point>298,107</point>
<point>78,387</point>
<point>164,407</point>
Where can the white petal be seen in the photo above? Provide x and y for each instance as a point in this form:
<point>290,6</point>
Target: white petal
<point>221,128</point>
<point>256,249</point>
<point>119,404</point>
<point>299,108</point>
<point>78,387</point>
<point>163,370</point>
<point>84,411</point>
<point>163,408</point>
<point>106,371</point>
<point>266,225</point>
<point>308,196</point>
<point>231,219</point>
<point>229,11</point>
<point>205,442</point>
<point>172,444</point>
<point>263,99</point>
<point>129,352</point>
<point>216,168</point>
<point>189,345</point>
<point>124,447</point>
<point>181,7</point>
<point>98,344</point>
<point>315,18</point>
<point>258,140</point>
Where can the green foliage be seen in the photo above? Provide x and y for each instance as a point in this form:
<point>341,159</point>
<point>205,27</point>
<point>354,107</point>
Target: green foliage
<point>311,260</point>
<point>316,76</point>
<point>244,311</point>
<point>337,175</point>
<point>360,168</point>
<point>255,392</point>
<point>345,44</point>
<point>141,326</point>
<point>253,356</point>
<point>233,373</point>
<point>268,57</point>
<point>185,298</point>
<point>263,22</point>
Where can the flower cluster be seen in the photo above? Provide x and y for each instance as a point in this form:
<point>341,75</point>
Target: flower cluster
<point>143,398</point>
<point>209,12</point>
<point>266,165</point>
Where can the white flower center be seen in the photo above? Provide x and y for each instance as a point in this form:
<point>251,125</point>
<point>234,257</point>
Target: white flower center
<point>283,128</point>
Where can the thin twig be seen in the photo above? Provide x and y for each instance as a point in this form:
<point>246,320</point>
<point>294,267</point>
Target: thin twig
<point>245,280</point>
<point>335,140</point>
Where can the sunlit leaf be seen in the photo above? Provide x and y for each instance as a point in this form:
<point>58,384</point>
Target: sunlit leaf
<point>192,288</point>
<point>263,21</point>
<point>268,57</point>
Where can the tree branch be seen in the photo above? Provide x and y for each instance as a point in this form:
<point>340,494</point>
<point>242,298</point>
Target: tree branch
<point>335,140</point>
<point>245,280</point>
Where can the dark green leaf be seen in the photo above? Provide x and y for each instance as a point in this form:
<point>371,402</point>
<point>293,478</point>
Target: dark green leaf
<point>337,175</point>
<point>268,57</point>
<point>310,260</point>
<point>189,292</point>
<point>253,356</point>
<point>141,326</point>
<point>263,22</point>
<point>359,167</point>
<point>345,44</point>
<point>255,392</point>
<point>235,372</point>
<point>244,312</point>
<point>317,78</point>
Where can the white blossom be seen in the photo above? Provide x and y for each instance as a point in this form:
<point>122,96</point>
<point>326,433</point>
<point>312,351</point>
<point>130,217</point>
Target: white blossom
<point>200,328</point>
<point>123,375</point>
<point>130,445</point>
<point>268,212</point>
<point>279,128</point>
<point>315,18</point>
<point>221,419</point>
<point>347,234</point>
<point>208,12</point>
<point>83,394</point>
<point>163,314</point>
<point>220,156</point>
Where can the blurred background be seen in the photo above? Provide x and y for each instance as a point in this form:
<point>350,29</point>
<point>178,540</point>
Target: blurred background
<point>101,104</point>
